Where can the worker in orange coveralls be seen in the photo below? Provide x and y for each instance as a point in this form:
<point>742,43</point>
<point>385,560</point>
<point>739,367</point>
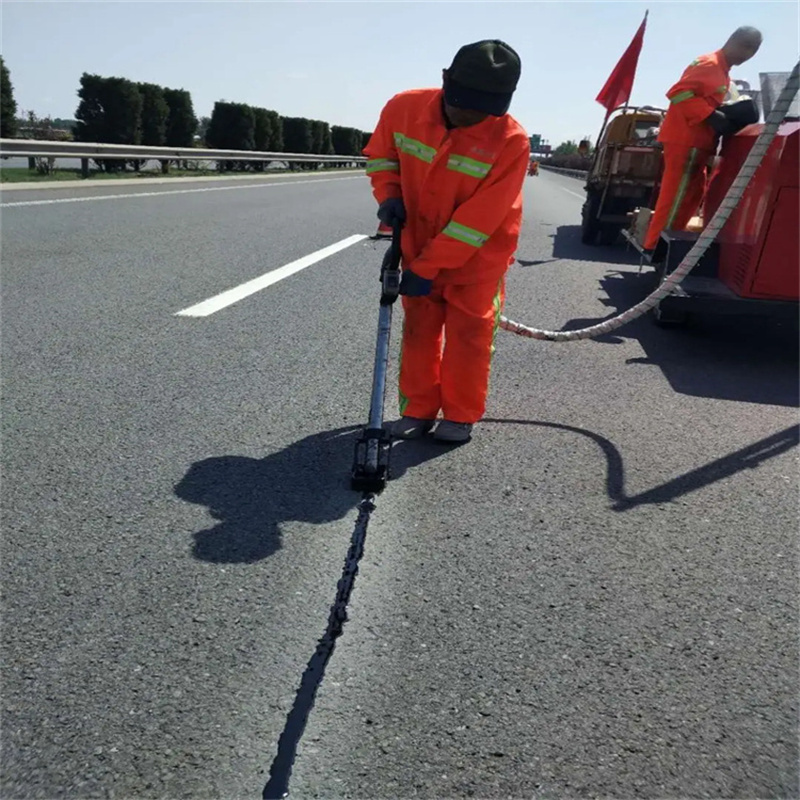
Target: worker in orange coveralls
<point>690,130</point>
<point>450,165</point>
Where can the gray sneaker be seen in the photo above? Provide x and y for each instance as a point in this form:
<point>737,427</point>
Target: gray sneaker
<point>410,427</point>
<point>455,432</point>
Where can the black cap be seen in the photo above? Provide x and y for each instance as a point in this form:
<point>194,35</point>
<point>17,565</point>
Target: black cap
<point>483,77</point>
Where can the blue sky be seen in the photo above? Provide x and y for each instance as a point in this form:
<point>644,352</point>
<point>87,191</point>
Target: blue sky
<point>340,61</point>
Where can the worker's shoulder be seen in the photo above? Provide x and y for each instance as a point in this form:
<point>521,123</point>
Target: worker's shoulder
<point>412,98</point>
<point>514,128</point>
<point>512,132</point>
<point>707,61</point>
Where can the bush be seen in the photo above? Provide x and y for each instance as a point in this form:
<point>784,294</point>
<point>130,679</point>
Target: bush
<point>110,111</point>
<point>232,127</point>
<point>346,141</point>
<point>182,123</point>
<point>155,115</point>
<point>297,135</point>
<point>8,106</point>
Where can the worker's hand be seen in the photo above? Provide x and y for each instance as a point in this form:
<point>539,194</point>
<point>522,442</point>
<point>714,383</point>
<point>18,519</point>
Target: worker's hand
<point>392,210</point>
<point>411,285</point>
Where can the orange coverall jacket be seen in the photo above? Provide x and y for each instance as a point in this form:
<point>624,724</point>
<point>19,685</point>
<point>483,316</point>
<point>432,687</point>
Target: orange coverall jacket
<point>462,188</point>
<point>699,92</point>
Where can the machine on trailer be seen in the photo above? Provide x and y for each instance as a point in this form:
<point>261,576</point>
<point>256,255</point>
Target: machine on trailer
<point>754,265</point>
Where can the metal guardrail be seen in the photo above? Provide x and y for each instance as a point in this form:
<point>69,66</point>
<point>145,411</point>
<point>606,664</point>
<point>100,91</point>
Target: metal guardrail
<point>44,148</point>
<point>570,173</point>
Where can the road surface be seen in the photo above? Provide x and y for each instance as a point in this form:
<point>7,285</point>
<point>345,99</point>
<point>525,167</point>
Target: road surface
<point>595,597</point>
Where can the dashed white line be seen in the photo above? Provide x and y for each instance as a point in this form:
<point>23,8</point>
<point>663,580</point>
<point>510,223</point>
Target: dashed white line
<point>232,296</point>
<point>574,194</point>
<point>130,195</point>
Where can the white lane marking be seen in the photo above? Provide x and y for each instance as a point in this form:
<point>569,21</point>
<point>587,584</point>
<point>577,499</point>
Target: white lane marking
<point>127,196</point>
<point>574,194</point>
<point>257,284</point>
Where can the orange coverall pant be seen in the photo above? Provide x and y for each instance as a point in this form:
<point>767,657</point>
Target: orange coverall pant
<point>450,375</point>
<point>683,185</point>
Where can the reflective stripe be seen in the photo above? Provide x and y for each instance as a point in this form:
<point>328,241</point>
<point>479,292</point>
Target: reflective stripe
<point>469,166</point>
<point>382,165</point>
<point>464,234</point>
<point>688,170</point>
<point>402,400</point>
<point>414,148</point>
<point>681,96</point>
<point>723,89</point>
<point>497,305</point>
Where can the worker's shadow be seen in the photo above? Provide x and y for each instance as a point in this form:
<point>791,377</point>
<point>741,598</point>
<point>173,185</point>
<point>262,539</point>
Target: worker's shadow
<point>751,456</point>
<point>308,481</point>
<point>747,359</point>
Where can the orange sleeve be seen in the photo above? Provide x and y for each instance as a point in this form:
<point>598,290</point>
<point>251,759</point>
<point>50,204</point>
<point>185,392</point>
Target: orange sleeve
<point>693,95</point>
<point>383,164</point>
<point>476,219</point>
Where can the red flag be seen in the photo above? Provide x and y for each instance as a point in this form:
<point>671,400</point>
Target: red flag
<point>617,90</point>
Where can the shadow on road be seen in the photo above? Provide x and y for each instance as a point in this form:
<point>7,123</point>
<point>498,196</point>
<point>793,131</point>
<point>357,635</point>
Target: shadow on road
<point>746,458</point>
<point>567,245</point>
<point>748,359</point>
<point>309,481</point>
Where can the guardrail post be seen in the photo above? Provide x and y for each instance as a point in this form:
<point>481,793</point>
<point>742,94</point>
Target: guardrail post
<point>31,163</point>
<point>84,168</point>
<point>165,167</point>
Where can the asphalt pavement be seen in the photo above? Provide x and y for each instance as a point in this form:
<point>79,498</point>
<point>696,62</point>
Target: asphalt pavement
<point>596,597</point>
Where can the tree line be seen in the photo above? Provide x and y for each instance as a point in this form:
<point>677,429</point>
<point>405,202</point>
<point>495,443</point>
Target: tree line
<point>116,110</point>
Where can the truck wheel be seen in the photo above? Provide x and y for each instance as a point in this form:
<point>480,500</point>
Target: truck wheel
<point>590,227</point>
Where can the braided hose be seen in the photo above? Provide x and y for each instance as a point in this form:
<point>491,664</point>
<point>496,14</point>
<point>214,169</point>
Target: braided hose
<point>726,208</point>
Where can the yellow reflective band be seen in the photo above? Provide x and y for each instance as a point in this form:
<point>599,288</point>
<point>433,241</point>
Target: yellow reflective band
<point>466,235</point>
<point>415,148</point>
<point>469,166</point>
<point>681,96</point>
<point>382,165</point>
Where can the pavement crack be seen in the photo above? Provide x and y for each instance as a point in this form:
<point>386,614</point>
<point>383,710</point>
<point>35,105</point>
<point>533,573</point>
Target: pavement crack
<point>281,769</point>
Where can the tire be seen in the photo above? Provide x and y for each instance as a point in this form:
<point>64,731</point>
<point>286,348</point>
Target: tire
<point>609,234</point>
<point>590,227</point>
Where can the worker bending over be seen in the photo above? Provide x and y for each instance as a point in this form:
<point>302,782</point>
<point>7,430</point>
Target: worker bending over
<point>690,131</point>
<point>450,164</point>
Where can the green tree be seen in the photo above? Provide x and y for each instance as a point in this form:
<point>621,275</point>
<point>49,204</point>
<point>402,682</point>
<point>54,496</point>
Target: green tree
<point>232,127</point>
<point>110,111</point>
<point>322,142</point>
<point>182,123</point>
<point>202,128</point>
<point>8,106</point>
<point>262,135</point>
<point>346,141</point>
<point>276,137</point>
<point>365,137</point>
<point>297,136</point>
<point>155,115</point>
<point>568,148</point>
